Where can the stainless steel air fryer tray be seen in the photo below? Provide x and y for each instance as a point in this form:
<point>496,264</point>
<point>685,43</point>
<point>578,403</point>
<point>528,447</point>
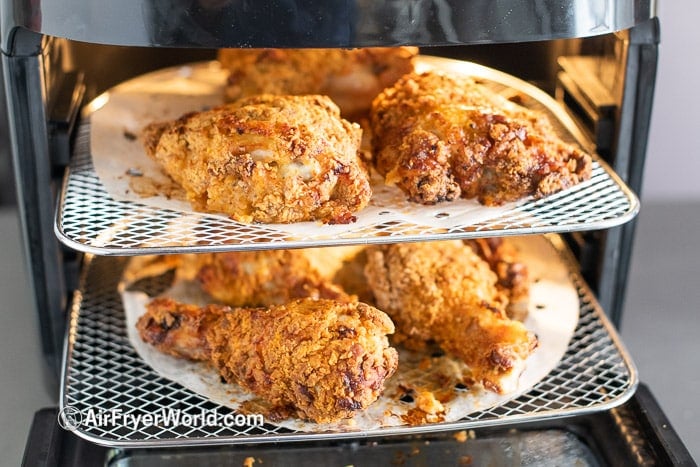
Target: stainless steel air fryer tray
<point>91,221</point>
<point>103,373</point>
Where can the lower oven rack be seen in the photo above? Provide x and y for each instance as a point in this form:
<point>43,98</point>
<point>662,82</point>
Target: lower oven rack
<point>103,374</point>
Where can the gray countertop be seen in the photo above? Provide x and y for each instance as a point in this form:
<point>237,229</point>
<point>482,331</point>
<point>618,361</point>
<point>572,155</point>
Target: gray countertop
<point>661,319</point>
<point>22,384</point>
<point>660,328</point>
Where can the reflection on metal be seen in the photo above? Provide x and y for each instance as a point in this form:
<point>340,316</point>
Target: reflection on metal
<point>320,23</point>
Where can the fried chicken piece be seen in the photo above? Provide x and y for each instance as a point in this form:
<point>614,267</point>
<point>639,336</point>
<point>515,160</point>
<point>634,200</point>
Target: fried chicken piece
<point>273,159</point>
<point>512,274</point>
<point>263,278</point>
<point>351,277</point>
<point>351,78</point>
<point>320,360</point>
<point>444,292</point>
<point>441,137</point>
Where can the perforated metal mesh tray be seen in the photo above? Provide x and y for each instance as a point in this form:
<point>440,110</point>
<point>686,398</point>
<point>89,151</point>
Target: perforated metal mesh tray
<point>90,220</point>
<point>103,373</point>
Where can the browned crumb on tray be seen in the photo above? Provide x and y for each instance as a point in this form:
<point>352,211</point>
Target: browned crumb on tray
<point>465,460</point>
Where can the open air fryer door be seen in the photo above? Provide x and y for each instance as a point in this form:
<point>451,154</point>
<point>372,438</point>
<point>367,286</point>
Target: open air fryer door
<point>589,66</point>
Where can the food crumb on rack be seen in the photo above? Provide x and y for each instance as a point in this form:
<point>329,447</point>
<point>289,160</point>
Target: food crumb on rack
<point>462,436</point>
<point>465,460</point>
<point>248,462</point>
<point>428,409</point>
<point>427,402</point>
<point>401,457</point>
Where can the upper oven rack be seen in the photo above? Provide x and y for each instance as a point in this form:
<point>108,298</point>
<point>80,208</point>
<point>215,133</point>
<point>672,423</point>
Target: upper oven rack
<point>90,220</point>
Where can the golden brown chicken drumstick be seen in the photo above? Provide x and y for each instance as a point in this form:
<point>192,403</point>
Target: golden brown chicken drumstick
<point>319,360</point>
<point>350,77</point>
<point>439,137</point>
<point>274,159</point>
<point>443,291</point>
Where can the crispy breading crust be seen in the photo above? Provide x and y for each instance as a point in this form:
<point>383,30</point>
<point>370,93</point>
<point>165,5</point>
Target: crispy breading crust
<point>272,159</point>
<point>441,137</point>
<point>350,77</point>
<point>262,278</point>
<point>443,291</point>
<point>513,277</point>
<point>320,359</point>
<point>178,329</point>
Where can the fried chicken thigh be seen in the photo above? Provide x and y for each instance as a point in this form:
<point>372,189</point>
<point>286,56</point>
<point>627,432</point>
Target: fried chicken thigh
<point>351,78</point>
<point>444,292</point>
<point>319,360</point>
<point>262,278</point>
<point>441,137</point>
<point>274,159</point>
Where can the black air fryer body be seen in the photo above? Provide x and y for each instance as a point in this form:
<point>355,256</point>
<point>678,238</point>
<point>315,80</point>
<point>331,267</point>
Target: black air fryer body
<point>60,54</point>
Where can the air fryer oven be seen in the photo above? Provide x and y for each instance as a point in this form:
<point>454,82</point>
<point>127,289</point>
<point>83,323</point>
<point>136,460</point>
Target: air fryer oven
<point>598,59</point>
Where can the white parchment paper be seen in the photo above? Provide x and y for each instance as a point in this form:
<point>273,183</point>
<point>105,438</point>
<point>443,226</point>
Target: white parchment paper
<point>122,165</point>
<point>553,314</point>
